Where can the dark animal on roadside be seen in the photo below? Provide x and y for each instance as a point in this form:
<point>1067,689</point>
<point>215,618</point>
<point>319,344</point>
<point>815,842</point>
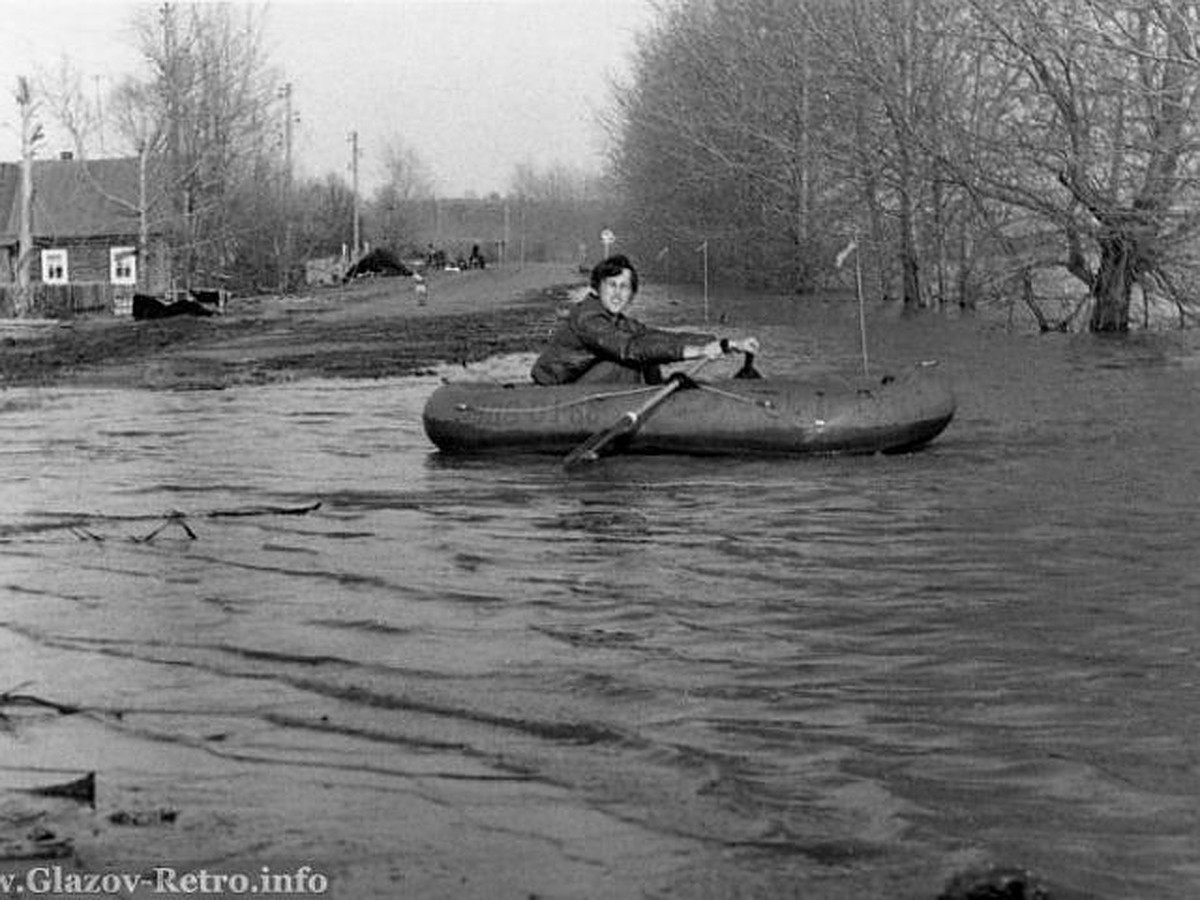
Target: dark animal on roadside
<point>147,307</point>
<point>377,262</point>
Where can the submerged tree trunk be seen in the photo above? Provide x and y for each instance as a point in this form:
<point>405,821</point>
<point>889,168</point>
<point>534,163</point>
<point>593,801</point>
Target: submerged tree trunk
<point>1113,285</point>
<point>909,266</point>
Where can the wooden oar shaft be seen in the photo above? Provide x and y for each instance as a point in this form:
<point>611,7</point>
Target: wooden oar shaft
<point>589,450</point>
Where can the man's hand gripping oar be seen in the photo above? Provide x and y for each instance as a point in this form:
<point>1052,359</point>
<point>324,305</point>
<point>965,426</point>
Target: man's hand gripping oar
<point>589,451</point>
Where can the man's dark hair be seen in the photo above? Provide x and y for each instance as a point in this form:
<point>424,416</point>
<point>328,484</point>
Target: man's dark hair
<point>614,265</point>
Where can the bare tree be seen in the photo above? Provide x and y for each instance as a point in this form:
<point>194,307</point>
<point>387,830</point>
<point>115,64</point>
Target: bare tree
<point>31,133</point>
<point>208,95</point>
<point>406,174</point>
<point>1100,142</point>
<point>722,137</point>
<point>407,182</point>
<point>325,209</point>
<point>893,68</point>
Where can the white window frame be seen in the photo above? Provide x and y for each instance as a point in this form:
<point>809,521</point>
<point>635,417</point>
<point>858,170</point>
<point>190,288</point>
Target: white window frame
<point>51,260</point>
<point>118,256</point>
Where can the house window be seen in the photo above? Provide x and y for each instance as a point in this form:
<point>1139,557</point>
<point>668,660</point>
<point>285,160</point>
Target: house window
<point>122,265</point>
<point>54,267</point>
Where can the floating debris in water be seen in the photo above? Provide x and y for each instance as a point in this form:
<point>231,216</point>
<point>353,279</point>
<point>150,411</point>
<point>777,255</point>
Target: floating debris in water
<point>81,789</point>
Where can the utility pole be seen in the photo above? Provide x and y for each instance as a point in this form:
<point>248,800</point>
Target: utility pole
<point>353,139</point>
<point>181,243</point>
<point>143,248</point>
<point>30,135</point>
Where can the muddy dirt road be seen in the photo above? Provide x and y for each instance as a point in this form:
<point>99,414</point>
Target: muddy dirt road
<point>364,330</point>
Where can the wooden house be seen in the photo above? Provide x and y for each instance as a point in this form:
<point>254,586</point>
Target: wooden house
<point>88,218</point>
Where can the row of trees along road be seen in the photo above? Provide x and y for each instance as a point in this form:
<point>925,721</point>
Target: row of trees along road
<point>978,150</point>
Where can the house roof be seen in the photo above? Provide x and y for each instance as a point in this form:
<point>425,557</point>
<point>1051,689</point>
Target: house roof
<point>72,198</point>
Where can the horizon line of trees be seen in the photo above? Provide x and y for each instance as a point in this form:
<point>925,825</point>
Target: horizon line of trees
<point>976,151</point>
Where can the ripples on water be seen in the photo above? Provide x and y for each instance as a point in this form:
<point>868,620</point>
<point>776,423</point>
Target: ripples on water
<point>702,678</point>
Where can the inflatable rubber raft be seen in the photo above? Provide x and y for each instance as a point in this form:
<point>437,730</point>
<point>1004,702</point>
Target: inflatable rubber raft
<point>768,417</point>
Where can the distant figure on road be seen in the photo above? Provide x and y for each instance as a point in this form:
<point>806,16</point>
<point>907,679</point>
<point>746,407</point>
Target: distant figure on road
<point>421,288</point>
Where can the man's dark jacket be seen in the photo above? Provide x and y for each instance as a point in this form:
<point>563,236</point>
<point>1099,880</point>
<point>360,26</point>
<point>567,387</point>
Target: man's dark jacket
<point>591,344</point>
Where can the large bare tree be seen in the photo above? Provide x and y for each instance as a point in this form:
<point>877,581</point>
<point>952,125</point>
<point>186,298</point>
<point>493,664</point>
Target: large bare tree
<point>1101,140</point>
<point>206,102</point>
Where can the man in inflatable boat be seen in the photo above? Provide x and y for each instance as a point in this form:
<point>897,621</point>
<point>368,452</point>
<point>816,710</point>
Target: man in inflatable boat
<point>596,342</point>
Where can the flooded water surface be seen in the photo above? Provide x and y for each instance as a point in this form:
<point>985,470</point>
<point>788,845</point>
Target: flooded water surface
<point>658,677</point>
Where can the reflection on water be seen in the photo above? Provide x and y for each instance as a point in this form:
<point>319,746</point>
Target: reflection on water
<point>833,676</point>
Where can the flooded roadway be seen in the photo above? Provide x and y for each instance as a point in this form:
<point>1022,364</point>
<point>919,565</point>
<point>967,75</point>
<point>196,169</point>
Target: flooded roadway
<point>662,677</point>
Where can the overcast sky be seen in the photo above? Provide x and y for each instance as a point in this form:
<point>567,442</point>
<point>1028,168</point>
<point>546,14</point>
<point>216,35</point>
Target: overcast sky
<point>474,86</point>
